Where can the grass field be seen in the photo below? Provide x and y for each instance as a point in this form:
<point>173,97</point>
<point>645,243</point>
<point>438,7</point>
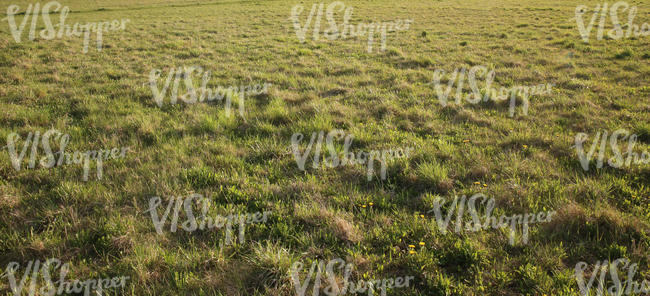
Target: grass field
<point>245,164</point>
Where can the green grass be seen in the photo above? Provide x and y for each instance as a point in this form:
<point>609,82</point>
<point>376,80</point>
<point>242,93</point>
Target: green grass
<point>102,99</point>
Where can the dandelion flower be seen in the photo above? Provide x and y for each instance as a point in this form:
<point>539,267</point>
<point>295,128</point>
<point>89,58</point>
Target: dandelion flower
<point>422,216</point>
<point>363,206</point>
<point>525,146</point>
<point>412,252</point>
<point>477,183</point>
<point>465,141</point>
<point>422,244</point>
<point>371,204</point>
<point>484,185</point>
<point>411,246</point>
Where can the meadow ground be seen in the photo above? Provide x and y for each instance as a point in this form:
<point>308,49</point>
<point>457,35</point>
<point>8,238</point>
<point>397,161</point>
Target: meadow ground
<point>245,164</point>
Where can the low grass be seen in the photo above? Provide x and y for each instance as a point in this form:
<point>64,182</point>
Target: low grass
<point>527,162</point>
